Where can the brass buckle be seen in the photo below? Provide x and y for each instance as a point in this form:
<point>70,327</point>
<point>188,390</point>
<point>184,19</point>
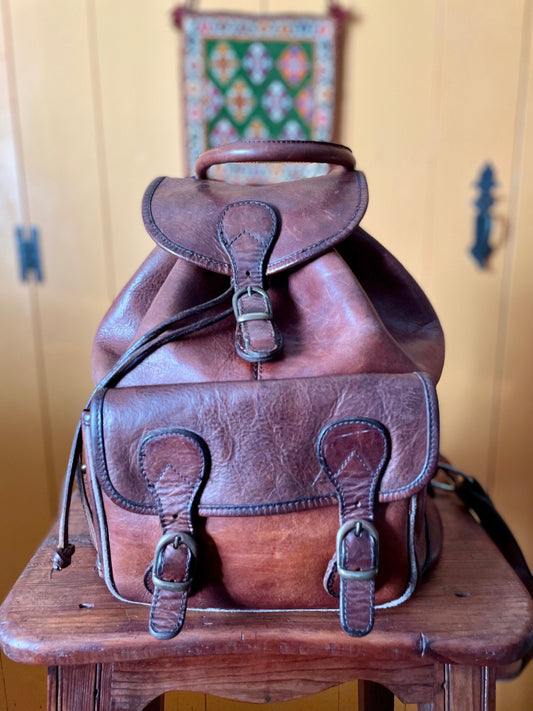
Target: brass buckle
<point>176,539</point>
<point>255,315</point>
<point>356,526</point>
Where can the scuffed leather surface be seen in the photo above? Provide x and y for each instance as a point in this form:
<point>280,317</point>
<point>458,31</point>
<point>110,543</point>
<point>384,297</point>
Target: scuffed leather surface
<point>355,312</point>
<point>399,302</point>
<point>181,215</point>
<point>227,574</point>
<point>261,437</point>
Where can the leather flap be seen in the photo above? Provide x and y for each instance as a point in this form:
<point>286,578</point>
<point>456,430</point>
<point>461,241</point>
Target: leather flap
<point>262,437</point>
<point>181,215</point>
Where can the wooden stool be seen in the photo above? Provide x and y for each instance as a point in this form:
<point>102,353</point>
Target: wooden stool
<point>440,650</point>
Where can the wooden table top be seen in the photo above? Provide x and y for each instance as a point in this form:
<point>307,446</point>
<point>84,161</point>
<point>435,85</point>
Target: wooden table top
<point>471,609</point>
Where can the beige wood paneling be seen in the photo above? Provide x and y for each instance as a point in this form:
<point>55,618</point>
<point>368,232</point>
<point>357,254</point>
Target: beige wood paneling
<point>25,686</point>
<point>184,701</point>
<point>387,117</point>
<point>348,697</point>
<point>513,451</point>
<point>25,506</point>
<point>136,65</point>
<point>25,502</point>
<point>53,83</point>
<point>43,380</point>
<point>479,61</point>
<point>513,488</point>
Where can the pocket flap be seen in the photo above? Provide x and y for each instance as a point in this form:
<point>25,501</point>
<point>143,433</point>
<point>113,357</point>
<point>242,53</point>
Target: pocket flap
<point>262,437</point>
<point>314,214</point>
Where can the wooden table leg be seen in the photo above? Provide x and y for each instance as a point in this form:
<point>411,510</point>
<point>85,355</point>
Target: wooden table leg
<point>72,688</point>
<point>374,697</point>
<point>465,689</point>
<point>87,687</point>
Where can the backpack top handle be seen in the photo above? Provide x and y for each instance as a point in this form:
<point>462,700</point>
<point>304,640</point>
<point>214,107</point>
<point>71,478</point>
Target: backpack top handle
<point>275,152</point>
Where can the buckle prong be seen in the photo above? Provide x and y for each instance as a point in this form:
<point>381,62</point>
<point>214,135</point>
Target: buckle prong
<point>175,539</point>
<point>357,526</point>
<point>256,316</point>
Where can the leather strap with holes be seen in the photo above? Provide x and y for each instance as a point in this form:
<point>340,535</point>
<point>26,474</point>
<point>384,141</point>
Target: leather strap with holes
<point>354,453</point>
<point>247,231</point>
<point>173,462</point>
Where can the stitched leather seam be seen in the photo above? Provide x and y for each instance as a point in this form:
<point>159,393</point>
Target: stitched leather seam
<point>148,215</point>
<point>195,485</point>
<point>343,609</point>
<point>343,231</point>
<point>102,471</point>
<point>173,469</point>
<point>302,504</point>
<point>340,423</point>
<point>267,509</point>
<point>432,446</point>
<point>148,509</point>
<point>180,614</point>
<point>353,453</point>
<point>245,232</point>
<point>289,260</point>
<point>290,142</point>
<point>224,237</point>
<point>100,458</point>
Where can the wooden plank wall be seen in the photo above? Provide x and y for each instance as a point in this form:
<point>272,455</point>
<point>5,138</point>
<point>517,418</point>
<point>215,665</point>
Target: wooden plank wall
<point>90,113</point>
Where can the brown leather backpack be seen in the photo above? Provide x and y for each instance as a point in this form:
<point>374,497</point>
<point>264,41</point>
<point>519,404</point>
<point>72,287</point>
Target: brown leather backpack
<point>265,425</point>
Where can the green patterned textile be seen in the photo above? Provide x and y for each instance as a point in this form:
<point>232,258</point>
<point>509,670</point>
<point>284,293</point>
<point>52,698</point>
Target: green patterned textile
<point>257,77</point>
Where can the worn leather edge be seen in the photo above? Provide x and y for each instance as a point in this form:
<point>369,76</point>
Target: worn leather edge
<point>432,447</point>
<point>224,267</point>
<point>162,240</point>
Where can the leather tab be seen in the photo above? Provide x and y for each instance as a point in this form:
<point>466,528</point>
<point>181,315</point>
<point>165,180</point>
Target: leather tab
<point>173,462</point>
<point>247,231</point>
<point>353,454</point>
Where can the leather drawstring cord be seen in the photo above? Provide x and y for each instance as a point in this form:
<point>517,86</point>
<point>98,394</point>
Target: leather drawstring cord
<point>65,550</point>
<point>133,356</point>
<point>149,337</point>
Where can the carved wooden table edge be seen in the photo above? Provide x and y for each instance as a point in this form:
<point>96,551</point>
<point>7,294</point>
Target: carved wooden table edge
<point>470,616</point>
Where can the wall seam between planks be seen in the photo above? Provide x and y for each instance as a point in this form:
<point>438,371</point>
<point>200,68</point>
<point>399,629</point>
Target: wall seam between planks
<point>435,125</point>
<point>33,297</point>
<point>510,245</point>
<point>101,153</point>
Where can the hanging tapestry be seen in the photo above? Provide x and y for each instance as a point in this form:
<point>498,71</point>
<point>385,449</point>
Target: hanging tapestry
<point>257,77</point>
